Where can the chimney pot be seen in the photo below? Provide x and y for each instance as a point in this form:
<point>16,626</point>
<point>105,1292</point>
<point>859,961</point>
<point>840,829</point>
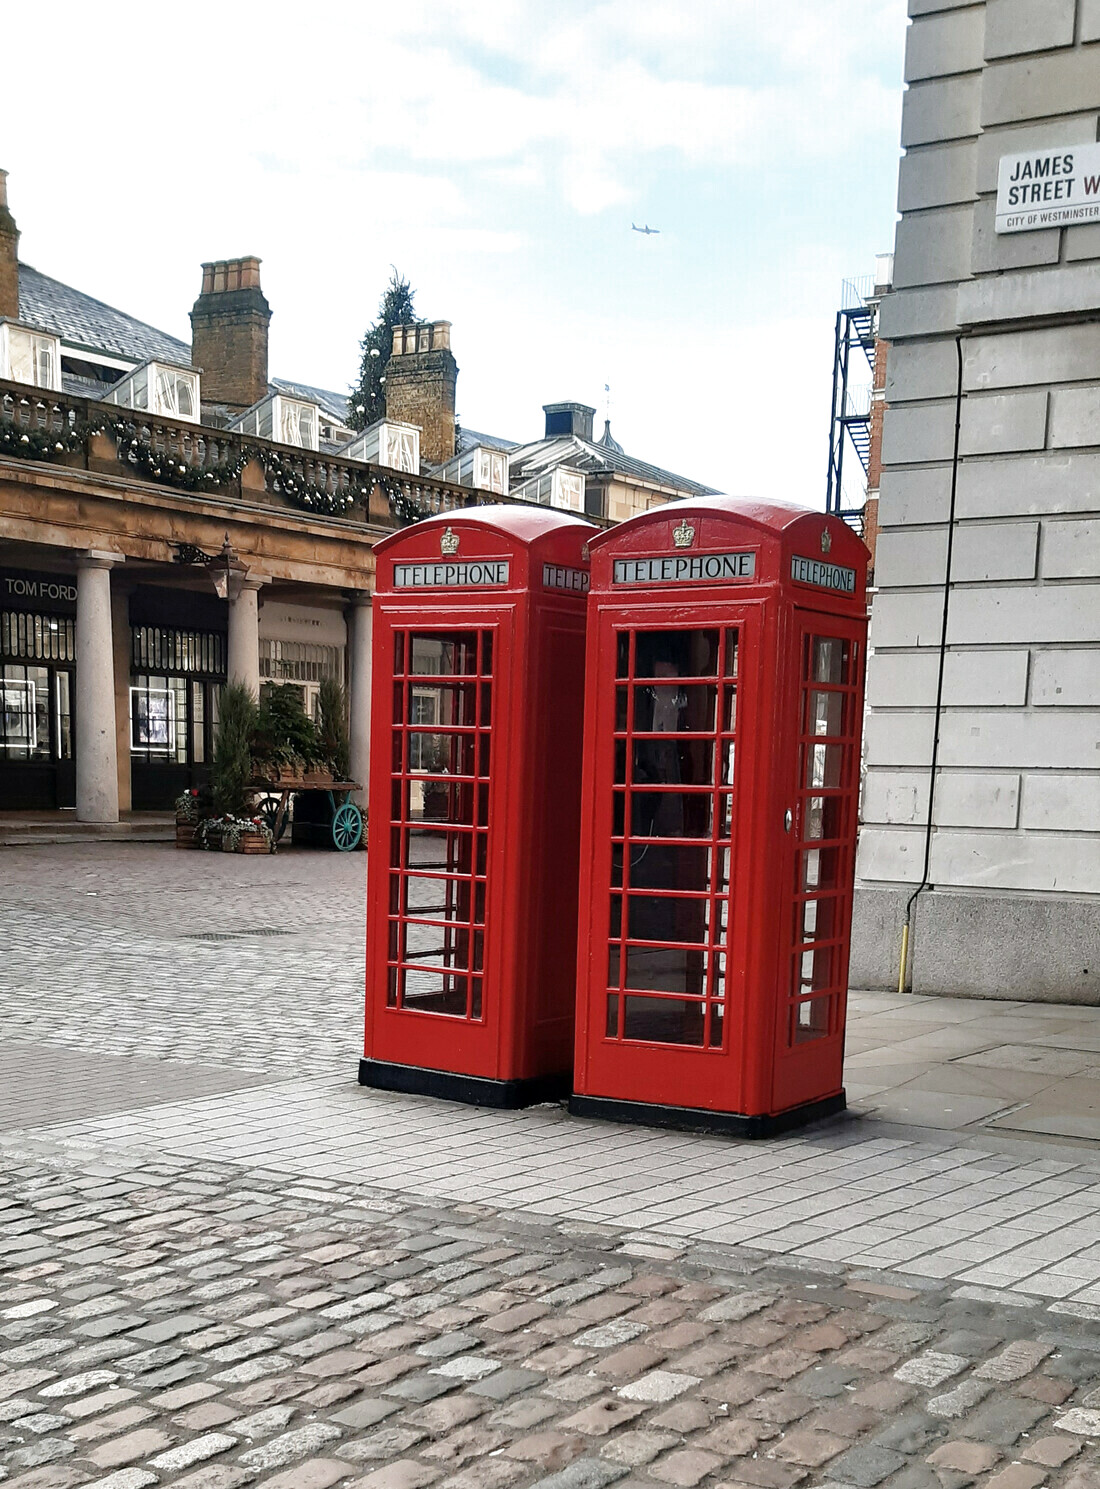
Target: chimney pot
<point>420,386</point>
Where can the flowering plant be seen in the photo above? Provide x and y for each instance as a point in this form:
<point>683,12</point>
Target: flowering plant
<point>224,833</point>
<point>190,807</point>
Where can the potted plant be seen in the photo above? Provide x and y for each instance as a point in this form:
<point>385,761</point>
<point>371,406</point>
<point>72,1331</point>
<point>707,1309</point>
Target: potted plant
<point>332,729</point>
<point>285,743</point>
<point>232,828</point>
<point>191,808</point>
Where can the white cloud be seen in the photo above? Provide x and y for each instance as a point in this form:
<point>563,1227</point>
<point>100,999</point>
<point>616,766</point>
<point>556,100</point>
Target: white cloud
<point>495,151</point>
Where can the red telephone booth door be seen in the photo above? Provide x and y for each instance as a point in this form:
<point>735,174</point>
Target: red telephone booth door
<point>673,782</point>
<point>816,938</point>
<point>438,935</point>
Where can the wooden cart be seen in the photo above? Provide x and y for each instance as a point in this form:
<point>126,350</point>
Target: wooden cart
<point>324,814</point>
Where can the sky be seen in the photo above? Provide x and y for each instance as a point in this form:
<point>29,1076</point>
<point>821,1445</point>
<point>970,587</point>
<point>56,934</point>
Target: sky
<point>496,152</point>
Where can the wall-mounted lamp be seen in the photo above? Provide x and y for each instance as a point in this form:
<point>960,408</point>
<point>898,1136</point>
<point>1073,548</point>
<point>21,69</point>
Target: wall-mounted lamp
<point>227,572</point>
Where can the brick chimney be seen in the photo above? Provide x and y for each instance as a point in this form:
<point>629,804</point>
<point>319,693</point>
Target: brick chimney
<point>229,333</point>
<point>420,386</point>
<point>9,255</point>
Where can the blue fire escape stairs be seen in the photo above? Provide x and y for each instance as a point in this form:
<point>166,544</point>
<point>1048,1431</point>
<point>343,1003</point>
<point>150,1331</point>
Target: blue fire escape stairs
<point>855,333</point>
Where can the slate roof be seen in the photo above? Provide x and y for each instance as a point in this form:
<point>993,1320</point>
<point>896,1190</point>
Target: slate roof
<point>596,458</point>
<point>85,322</point>
<point>469,439</point>
<point>334,404</point>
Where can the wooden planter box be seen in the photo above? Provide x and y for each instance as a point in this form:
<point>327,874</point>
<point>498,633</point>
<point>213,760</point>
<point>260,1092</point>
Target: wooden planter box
<point>252,842</point>
<point>247,842</point>
<point>185,834</point>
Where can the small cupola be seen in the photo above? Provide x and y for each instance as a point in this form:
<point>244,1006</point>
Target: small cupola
<point>568,418</point>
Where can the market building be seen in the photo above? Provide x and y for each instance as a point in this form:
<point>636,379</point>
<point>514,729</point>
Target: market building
<point>171,517</point>
<point>981,802</point>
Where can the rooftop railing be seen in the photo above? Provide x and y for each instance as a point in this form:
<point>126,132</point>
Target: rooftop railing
<point>82,433</point>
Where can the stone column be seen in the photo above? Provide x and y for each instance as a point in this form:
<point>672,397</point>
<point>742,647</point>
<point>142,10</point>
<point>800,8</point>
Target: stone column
<point>120,626</point>
<point>96,749</point>
<point>360,630</point>
<point>244,636</point>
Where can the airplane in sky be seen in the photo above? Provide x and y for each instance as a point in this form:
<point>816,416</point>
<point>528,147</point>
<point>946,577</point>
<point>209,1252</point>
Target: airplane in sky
<point>647,229</point>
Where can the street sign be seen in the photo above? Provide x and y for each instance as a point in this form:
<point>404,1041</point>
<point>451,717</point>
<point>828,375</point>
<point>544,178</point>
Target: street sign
<point>1048,188</point>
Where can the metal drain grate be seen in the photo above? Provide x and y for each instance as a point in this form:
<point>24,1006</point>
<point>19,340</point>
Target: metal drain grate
<point>260,930</point>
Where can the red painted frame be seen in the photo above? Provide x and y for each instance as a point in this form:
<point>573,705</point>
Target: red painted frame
<point>514,737</point>
<point>762,1057</point>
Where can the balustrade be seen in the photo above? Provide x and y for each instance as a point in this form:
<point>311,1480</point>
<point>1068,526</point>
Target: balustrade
<point>56,427</point>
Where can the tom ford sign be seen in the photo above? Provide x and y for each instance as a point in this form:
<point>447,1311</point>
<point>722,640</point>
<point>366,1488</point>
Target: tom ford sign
<point>25,590</point>
<point>1048,188</point>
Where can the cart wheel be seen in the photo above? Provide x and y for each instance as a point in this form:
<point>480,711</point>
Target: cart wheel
<point>347,827</point>
<point>269,811</point>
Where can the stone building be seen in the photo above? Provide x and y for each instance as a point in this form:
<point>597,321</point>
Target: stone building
<point>989,520</point>
<point>171,517</point>
<point>138,472</point>
<point>606,481</point>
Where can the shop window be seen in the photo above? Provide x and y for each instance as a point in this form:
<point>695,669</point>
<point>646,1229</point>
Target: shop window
<point>49,638</point>
<point>161,648</point>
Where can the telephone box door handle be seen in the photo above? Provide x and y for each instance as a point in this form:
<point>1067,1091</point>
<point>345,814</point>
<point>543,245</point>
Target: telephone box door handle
<point>788,820</point>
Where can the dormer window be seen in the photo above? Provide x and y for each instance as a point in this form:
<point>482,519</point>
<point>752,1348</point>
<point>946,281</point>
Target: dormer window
<point>298,424</point>
<point>176,393</point>
<point>480,467</point>
<point>387,442</point>
<point>286,421</point>
<point>28,356</point>
<point>159,389</point>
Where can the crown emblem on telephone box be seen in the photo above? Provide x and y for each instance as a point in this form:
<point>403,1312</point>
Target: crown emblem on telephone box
<point>684,535</point>
<point>826,540</point>
<point>448,543</point>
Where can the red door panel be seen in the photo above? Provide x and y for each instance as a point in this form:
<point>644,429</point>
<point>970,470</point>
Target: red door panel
<point>816,930</point>
<point>665,985</point>
<point>433,931</point>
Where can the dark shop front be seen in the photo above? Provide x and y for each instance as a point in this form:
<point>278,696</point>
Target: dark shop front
<point>37,666</point>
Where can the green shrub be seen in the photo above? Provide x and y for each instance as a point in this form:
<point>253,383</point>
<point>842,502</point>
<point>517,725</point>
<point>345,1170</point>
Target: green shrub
<point>285,734</point>
<point>333,728</point>
<point>232,767</point>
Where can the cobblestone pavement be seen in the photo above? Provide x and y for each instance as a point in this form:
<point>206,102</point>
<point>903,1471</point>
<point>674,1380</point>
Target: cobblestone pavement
<point>223,1264</point>
<point>210,1326</point>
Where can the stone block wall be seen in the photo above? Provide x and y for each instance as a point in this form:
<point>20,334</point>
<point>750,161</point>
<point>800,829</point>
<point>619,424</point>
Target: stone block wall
<point>1015,852</point>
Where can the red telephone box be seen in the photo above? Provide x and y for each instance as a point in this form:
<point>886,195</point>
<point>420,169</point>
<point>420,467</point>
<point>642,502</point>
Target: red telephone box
<point>476,735</point>
<point>725,690</point>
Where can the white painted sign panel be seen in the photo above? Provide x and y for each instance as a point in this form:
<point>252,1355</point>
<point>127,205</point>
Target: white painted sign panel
<point>473,575</point>
<point>824,575</point>
<point>700,568</point>
<point>554,576</point>
<point>1048,188</point>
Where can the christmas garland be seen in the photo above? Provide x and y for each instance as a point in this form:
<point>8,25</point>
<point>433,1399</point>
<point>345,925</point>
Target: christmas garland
<point>402,506</point>
<point>308,496</point>
<point>167,469</point>
<point>39,444</point>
